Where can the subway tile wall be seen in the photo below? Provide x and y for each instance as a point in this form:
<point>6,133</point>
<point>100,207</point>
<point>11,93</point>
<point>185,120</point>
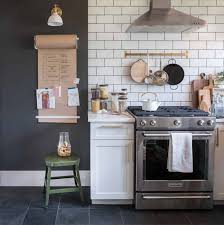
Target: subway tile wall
<point>108,20</point>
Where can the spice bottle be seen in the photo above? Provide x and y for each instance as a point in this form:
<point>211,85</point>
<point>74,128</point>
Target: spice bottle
<point>114,103</point>
<point>122,104</point>
<point>95,105</point>
<point>104,94</point>
<point>104,104</point>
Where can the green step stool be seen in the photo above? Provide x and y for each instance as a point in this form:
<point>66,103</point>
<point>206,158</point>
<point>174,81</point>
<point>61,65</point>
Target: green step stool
<point>55,161</point>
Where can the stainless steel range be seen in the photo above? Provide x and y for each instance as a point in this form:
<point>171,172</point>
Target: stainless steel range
<point>156,188</point>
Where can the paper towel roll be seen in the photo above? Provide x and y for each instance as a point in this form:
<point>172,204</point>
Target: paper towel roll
<point>56,41</point>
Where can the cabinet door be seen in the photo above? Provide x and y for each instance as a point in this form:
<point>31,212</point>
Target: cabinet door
<point>219,164</point>
<point>112,169</point>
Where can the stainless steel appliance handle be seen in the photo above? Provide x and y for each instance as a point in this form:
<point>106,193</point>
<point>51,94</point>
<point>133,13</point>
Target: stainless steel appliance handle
<point>177,197</point>
<point>217,137</point>
<point>168,135</point>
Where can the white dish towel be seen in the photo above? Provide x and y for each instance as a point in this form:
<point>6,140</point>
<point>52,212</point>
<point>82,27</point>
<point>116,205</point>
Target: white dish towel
<point>180,155</point>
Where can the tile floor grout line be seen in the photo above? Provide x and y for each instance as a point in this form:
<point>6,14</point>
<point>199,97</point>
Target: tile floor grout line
<point>57,211</point>
<point>28,208</point>
<point>122,220</point>
<point>188,219</point>
<point>89,214</point>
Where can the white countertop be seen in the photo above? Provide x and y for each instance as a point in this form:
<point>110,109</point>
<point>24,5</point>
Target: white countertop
<point>220,120</point>
<point>108,117</point>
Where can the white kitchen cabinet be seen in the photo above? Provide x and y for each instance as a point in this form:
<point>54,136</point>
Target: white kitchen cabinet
<point>112,167</point>
<point>112,159</point>
<point>219,164</point>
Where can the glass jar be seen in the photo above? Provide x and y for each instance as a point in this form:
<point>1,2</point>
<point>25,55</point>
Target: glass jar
<point>104,104</point>
<point>114,103</point>
<point>104,94</point>
<point>95,93</point>
<point>122,104</point>
<point>64,146</point>
<point>95,103</point>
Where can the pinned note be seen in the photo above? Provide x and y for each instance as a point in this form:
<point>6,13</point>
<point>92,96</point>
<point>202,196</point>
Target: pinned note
<point>73,97</point>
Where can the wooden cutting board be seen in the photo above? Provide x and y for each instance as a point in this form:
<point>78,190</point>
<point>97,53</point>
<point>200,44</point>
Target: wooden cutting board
<point>139,71</point>
<point>204,98</point>
<point>196,86</point>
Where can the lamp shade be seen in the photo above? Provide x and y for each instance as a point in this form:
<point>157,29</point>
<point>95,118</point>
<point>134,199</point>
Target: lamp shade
<point>55,20</point>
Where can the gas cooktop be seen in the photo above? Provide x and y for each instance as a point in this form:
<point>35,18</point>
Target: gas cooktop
<point>168,111</point>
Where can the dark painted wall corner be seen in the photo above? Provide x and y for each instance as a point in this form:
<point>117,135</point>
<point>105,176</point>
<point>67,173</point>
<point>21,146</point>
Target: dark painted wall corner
<point>24,141</point>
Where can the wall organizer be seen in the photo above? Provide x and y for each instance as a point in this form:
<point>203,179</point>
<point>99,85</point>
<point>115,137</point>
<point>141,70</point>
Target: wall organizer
<point>57,71</point>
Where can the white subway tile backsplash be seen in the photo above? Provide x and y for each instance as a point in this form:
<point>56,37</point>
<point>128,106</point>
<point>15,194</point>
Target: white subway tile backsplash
<point>173,36</point>
<point>104,2</point>
<point>104,36</point>
<point>215,10</point>
<point>207,36</point>
<point>112,27</point>
<point>206,54</point>
<point>215,45</point>
<point>105,19</point>
<point>139,36</point>
<point>104,71</point>
<point>197,44</point>
<point>129,44</point>
<point>164,44</point>
<point>108,40</point>
<point>112,44</point>
<point>147,45</point>
<point>215,62</point>
<point>181,45</point>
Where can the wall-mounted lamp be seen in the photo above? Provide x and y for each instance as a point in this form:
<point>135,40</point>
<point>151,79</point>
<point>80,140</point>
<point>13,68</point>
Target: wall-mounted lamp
<point>55,19</point>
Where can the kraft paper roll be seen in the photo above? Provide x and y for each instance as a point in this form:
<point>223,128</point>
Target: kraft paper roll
<point>56,41</point>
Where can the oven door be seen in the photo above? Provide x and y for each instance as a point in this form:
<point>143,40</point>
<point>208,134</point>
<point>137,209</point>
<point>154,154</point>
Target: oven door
<point>151,163</point>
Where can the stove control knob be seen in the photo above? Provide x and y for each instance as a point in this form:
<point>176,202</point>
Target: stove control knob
<point>143,123</point>
<point>153,123</point>
<point>177,123</point>
<point>201,123</point>
<point>210,123</point>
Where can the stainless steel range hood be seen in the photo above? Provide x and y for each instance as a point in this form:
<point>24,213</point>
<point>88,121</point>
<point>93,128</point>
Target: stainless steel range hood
<point>163,18</point>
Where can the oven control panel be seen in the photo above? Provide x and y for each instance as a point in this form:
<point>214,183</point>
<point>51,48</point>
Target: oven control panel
<point>178,123</point>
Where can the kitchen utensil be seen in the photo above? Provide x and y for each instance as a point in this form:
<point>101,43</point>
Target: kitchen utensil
<point>175,72</point>
<point>148,104</point>
<point>204,100</point>
<point>160,76</point>
<point>195,87</point>
<point>139,71</point>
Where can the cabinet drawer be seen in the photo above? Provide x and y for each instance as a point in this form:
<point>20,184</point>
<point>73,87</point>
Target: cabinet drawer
<point>112,131</point>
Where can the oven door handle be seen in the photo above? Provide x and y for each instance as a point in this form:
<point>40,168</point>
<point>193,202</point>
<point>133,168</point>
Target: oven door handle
<point>178,197</point>
<point>168,135</point>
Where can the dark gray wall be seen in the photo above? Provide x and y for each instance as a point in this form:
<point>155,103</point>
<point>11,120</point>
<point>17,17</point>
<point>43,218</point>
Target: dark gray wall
<point>23,141</point>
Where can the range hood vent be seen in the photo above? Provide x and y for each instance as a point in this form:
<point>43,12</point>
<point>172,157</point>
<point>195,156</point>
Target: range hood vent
<point>162,18</point>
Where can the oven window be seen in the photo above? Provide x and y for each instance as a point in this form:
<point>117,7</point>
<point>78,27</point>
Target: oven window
<point>155,161</point>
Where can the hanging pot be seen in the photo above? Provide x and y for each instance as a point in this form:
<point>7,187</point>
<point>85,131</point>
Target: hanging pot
<point>161,77</point>
<point>175,72</point>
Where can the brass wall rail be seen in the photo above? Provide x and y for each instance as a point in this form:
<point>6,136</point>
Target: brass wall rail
<point>171,54</point>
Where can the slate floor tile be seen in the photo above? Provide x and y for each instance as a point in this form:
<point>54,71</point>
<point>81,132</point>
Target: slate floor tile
<point>214,217</point>
<point>40,217</point>
<point>38,201</point>
<point>14,201</point>
<point>171,218</point>
<point>105,216</point>
<point>12,216</point>
<point>72,200</point>
<point>72,216</point>
<point>133,217</point>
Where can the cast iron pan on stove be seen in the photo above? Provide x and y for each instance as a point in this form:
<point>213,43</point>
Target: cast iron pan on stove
<point>175,72</point>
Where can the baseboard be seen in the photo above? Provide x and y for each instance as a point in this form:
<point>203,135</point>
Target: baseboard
<point>36,178</point>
